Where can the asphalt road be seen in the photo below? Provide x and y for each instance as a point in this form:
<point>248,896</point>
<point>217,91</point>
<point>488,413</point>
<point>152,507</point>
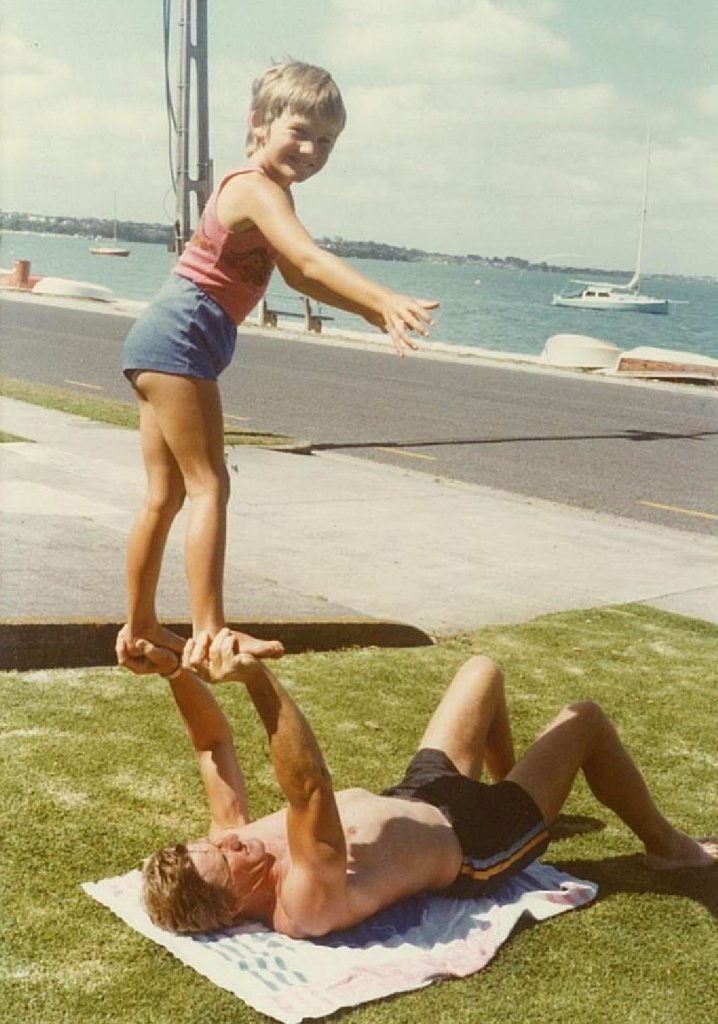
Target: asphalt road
<point>649,453</point>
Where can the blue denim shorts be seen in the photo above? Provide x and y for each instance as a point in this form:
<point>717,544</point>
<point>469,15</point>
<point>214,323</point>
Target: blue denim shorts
<point>182,331</point>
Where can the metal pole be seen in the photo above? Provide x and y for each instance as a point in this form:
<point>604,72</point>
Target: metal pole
<point>204,162</point>
<point>183,97</point>
<point>192,54</point>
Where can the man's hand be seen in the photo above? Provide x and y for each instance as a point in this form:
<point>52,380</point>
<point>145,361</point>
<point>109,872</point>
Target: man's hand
<point>143,658</point>
<point>219,660</point>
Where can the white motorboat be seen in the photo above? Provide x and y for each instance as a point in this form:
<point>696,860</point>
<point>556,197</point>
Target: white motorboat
<point>617,297</point>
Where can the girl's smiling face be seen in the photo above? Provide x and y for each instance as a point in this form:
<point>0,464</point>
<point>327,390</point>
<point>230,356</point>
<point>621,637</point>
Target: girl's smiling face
<point>294,147</point>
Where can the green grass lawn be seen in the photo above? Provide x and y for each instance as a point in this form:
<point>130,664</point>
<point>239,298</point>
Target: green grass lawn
<point>97,773</point>
<point>113,411</point>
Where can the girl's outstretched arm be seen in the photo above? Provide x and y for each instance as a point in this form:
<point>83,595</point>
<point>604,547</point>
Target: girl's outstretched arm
<point>296,280</point>
<point>254,199</point>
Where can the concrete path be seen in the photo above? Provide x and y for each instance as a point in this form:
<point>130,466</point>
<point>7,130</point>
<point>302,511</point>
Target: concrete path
<point>323,549</point>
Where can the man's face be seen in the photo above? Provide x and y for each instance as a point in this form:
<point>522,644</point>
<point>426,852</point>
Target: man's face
<point>230,861</point>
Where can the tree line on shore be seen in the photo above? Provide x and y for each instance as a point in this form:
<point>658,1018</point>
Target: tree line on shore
<point>136,231</point>
<point>87,227</point>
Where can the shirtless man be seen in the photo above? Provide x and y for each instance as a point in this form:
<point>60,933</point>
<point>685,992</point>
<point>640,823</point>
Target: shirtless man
<point>330,860</point>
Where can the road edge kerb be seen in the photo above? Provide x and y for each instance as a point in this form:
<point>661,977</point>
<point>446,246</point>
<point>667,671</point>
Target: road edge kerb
<point>27,644</point>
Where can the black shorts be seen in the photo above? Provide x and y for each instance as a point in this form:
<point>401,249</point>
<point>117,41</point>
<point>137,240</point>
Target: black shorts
<point>499,826</point>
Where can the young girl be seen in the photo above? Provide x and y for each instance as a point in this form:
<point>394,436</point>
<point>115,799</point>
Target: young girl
<point>186,337</point>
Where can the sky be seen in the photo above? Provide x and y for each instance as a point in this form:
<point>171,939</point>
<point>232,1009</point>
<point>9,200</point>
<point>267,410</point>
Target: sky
<point>512,127</point>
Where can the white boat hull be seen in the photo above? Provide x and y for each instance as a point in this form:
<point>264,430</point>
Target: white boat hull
<point>69,289</point>
<point>615,303</point>
<point>102,250</point>
<point>580,351</point>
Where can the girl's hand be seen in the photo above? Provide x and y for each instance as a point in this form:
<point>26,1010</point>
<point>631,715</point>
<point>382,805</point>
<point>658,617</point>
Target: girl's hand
<point>402,314</point>
<point>375,319</point>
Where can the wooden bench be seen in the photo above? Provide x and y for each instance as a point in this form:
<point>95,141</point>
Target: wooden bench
<point>312,321</point>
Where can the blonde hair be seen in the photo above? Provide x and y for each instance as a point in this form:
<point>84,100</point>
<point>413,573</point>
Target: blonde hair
<point>299,87</point>
<point>178,899</point>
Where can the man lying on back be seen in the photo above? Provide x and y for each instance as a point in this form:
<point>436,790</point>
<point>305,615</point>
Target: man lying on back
<point>329,860</point>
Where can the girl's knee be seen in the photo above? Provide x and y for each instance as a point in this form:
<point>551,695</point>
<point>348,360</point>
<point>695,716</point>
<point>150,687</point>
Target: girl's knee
<point>214,484</point>
<point>165,504</point>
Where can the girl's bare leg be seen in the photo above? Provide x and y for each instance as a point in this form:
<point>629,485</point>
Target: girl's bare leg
<point>583,737</point>
<point>165,494</point>
<point>188,414</point>
<point>471,724</point>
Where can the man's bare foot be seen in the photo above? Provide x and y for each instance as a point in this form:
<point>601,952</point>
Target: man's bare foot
<point>258,648</point>
<point>158,635</point>
<point>685,852</point>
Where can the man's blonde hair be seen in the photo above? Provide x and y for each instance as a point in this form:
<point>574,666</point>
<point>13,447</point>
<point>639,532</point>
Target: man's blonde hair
<point>302,88</point>
<point>178,899</point>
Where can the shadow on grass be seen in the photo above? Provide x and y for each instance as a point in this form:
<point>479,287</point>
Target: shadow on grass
<point>628,874</point>
<point>566,826</point>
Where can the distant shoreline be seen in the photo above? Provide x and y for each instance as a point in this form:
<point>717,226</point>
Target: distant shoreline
<point>161,234</point>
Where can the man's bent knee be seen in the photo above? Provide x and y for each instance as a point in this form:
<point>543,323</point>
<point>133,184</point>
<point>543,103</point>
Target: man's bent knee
<point>590,714</point>
<point>480,667</point>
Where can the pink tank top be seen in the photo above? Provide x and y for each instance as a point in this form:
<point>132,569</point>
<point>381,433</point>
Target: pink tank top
<point>233,267</point>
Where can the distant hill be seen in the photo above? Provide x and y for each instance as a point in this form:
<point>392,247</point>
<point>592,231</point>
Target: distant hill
<point>87,227</point>
<point>382,251</point>
<point>163,234</point>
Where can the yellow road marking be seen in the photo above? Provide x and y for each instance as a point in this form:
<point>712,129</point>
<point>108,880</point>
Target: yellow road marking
<point>675,508</point>
<point>82,384</point>
<point>231,416</point>
<point>410,455</point>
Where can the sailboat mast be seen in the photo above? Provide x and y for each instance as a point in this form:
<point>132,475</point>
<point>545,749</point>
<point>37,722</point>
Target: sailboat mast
<point>634,282</point>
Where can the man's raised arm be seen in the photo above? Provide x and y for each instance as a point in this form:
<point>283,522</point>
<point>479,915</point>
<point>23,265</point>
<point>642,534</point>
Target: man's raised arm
<point>207,727</point>
<point>314,830</point>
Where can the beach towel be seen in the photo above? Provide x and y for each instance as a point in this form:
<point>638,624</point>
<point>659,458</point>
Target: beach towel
<point>403,947</point>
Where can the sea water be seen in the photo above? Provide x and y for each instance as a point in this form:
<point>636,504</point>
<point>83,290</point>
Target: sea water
<point>482,307</point>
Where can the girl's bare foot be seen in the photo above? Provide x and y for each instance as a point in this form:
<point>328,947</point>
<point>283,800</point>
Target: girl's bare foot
<point>158,635</point>
<point>258,648</point>
<point>685,852</point>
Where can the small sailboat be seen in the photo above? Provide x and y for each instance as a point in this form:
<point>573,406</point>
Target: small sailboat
<point>605,295</point>
<point>110,250</point>
<point>618,297</point>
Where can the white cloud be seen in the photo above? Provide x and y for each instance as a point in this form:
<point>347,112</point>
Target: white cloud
<point>419,156</point>
<point>230,87</point>
<point>473,126</point>
<point>706,100</point>
<point>456,40</point>
<point>71,142</point>
<point>654,30</point>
